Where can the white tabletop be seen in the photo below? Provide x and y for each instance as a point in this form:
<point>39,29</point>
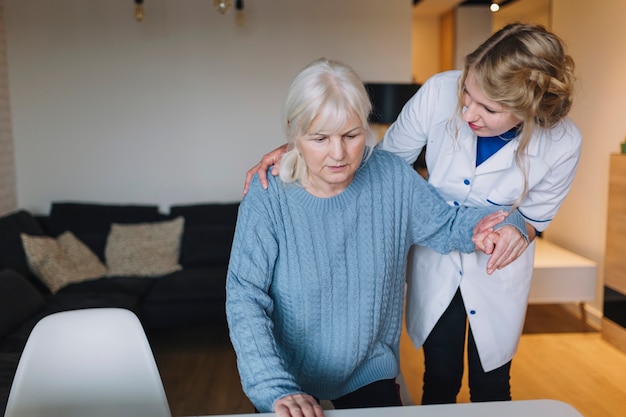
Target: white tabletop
<point>529,408</point>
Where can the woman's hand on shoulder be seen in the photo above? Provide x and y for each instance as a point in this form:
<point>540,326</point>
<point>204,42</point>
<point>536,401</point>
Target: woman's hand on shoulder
<point>298,405</point>
<point>269,159</point>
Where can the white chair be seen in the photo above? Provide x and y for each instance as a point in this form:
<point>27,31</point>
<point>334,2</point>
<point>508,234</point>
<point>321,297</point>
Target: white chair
<point>88,363</point>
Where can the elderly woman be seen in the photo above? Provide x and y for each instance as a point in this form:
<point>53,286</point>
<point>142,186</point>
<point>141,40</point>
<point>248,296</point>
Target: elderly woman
<point>315,286</point>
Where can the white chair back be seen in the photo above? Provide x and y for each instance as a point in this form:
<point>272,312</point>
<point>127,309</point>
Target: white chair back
<point>88,363</point>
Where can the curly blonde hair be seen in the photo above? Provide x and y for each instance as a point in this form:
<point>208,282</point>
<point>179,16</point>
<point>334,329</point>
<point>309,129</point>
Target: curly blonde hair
<point>526,69</point>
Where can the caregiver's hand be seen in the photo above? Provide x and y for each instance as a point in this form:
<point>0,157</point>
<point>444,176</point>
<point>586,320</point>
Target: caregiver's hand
<point>505,245</point>
<point>269,159</point>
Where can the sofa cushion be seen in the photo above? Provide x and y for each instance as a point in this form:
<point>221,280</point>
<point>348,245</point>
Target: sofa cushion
<point>91,222</point>
<point>208,234</point>
<point>145,249</point>
<point>61,261</point>
<point>11,250</point>
<point>19,300</point>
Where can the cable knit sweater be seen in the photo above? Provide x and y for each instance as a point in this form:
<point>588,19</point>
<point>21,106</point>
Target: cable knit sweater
<point>315,286</point>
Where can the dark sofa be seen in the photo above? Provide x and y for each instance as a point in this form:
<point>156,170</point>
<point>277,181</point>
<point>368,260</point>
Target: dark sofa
<point>192,295</point>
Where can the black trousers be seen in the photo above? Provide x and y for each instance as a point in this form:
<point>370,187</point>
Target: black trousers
<point>443,362</point>
<point>383,393</point>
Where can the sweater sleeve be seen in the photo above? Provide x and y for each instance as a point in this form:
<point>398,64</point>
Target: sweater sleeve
<point>249,305</point>
<point>444,228</point>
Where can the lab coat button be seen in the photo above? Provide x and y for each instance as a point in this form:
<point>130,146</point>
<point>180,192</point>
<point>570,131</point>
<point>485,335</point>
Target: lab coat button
<point>472,311</point>
<point>456,203</point>
<point>466,182</point>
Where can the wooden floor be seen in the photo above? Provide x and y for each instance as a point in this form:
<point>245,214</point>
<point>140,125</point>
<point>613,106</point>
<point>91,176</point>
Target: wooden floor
<point>559,358</point>
<point>199,372</point>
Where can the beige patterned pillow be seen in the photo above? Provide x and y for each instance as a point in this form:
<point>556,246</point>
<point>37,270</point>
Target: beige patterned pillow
<point>61,261</point>
<point>144,249</point>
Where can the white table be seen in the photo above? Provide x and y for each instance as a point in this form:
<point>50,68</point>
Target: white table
<point>529,408</point>
<point>561,276</point>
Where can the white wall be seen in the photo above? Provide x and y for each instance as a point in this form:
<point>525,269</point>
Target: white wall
<point>8,200</point>
<point>176,108</point>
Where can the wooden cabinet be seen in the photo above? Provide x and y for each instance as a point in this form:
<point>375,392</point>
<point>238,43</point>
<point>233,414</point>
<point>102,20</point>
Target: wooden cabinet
<point>614,321</point>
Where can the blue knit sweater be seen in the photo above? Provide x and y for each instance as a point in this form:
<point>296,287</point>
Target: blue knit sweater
<point>315,286</point>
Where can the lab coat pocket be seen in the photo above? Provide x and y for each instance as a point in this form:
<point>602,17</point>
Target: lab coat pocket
<point>503,195</point>
<point>516,276</point>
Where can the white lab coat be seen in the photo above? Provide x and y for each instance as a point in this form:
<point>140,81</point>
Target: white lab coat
<point>495,304</point>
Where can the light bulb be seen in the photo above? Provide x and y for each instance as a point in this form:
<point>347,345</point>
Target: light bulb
<point>494,7</point>
<point>223,6</point>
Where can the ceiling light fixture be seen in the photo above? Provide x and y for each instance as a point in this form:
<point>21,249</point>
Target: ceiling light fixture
<point>223,6</point>
<point>239,16</point>
<point>139,10</point>
<point>494,7</point>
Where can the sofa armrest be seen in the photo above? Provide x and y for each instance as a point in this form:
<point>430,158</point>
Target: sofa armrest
<point>19,301</point>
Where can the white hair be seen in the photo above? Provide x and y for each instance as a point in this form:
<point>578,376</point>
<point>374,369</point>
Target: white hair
<point>329,92</point>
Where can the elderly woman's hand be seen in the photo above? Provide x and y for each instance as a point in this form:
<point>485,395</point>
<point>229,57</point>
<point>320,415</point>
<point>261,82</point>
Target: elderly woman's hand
<point>298,405</point>
<point>484,227</point>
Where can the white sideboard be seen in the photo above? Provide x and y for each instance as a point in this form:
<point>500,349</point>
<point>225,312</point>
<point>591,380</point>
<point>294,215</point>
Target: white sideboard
<point>561,276</point>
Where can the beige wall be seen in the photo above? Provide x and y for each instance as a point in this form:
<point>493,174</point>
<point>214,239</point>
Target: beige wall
<point>526,11</point>
<point>472,26</point>
<point>8,198</point>
<point>426,47</point>
<point>595,33</point>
